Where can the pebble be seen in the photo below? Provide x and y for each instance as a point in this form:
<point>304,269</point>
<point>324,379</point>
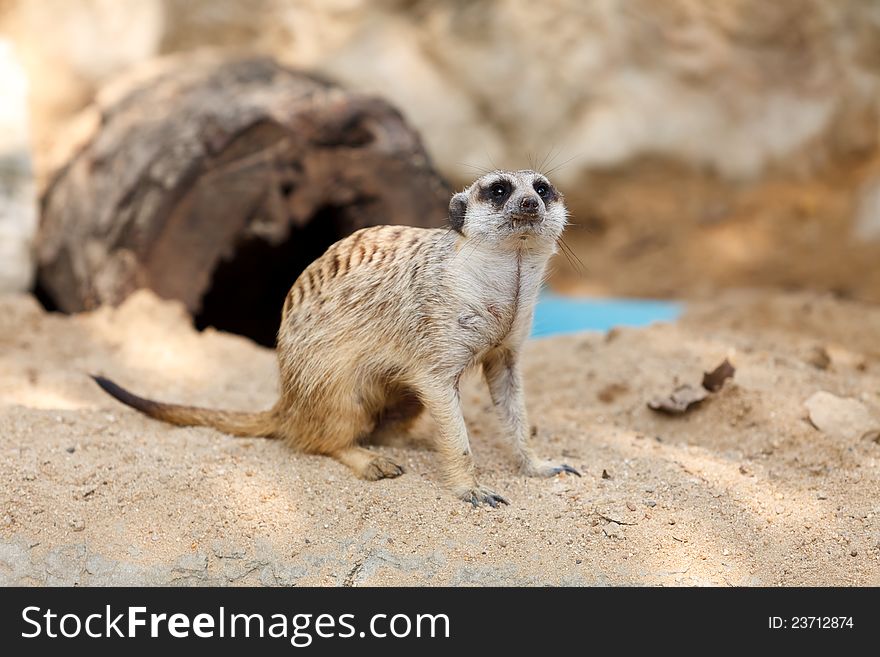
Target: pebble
<point>843,418</point>
<point>613,530</point>
<point>819,358</point>
<point>650,503</point>
<point>77,525</point>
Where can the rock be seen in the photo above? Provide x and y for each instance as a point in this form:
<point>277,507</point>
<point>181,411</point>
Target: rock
<point>682,399</point>
<point>670,56</point>
<point>819,358</point>
<point>18,205</point>
<point>840,417</point>
<point>225,549</point>
<point>191,564</point>
<point>733,90</point>
<point>867,220</point>
<point>15,563</point>
<point>65,564</point>
<point>613,530</point>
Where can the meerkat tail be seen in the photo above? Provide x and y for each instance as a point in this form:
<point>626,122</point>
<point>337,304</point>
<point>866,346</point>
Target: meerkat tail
<point>259,424</point>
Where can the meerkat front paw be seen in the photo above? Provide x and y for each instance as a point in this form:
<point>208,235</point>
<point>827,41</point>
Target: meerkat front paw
<point>478,495</point>
<point>547,469</point>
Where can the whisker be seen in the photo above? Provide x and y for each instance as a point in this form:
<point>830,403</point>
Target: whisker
<point>570,261</point>
<point>475,244</point>
<point>471,244</point>
<point>480,169</point>
<point>584,270</point>
<point>559,166</point>
<point>576,263</point>
<point>491,161</point>
<point>553,148</point>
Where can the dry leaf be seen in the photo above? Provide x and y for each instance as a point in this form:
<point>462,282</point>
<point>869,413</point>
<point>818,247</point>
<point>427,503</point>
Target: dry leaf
<point>685,397</point>
<point>714,380</point>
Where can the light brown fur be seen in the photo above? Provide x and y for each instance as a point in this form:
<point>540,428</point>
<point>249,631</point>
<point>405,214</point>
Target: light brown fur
<point>382,325</point>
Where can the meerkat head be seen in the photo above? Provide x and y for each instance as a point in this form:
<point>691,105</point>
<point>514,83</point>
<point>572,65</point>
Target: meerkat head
<point>509,204</point>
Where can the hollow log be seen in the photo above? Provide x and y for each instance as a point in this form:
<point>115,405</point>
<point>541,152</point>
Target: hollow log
<point>216,182</point>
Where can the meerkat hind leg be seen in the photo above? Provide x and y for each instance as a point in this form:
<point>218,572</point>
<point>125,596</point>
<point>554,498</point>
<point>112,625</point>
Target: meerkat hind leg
<point>368,465</point>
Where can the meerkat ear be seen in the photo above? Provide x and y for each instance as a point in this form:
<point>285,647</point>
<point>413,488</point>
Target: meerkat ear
<point>457,209</point>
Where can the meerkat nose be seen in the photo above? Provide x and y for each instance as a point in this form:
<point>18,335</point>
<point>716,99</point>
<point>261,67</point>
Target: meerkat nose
<point>529,204</point>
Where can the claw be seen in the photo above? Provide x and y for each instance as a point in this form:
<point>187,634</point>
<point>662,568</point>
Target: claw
<point>567,469</point>
<point>481,495</point>
<point>547,469</point>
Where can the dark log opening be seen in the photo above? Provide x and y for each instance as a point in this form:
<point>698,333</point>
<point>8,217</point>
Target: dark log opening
<point>247,291</point>
<point>44,297</point>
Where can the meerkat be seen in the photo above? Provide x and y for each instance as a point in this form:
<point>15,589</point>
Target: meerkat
<point>381,327</point>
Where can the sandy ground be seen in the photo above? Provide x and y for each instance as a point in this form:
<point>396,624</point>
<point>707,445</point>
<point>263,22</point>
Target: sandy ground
<point>744,490</point>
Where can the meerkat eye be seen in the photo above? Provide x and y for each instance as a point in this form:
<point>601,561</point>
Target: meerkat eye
<point>497,192</point>
<point>542,189</point>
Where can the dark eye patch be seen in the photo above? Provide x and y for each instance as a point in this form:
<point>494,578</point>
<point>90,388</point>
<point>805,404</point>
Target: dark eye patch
<point>545,190</point>
<point>497,191</point>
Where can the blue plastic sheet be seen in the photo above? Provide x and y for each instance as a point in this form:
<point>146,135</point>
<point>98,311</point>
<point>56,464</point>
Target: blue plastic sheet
<point>557,315</point>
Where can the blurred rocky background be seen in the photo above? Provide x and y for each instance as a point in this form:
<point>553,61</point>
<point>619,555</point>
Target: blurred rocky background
<point>18,207</point>
<point>699,145</point>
